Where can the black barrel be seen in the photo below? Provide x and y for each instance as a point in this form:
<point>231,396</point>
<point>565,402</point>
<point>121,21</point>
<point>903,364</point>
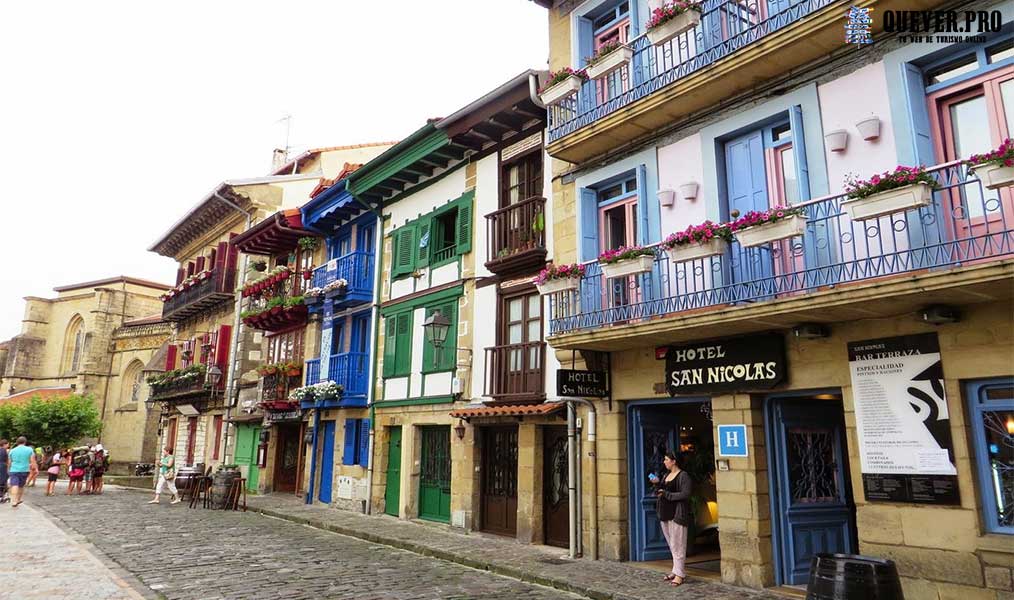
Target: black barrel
<point>851,577</point>
<point>221,483</point>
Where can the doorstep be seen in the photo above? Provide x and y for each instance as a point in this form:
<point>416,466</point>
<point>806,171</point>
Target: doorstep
<point>541,565</point>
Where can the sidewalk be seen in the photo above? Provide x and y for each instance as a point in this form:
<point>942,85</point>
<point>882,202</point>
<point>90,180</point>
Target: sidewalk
<point>535,564</point>
<point>40,560</point>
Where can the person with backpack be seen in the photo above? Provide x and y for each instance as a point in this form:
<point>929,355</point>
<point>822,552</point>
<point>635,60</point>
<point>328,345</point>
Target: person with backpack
<point>89,470</point>
<point>51,463</point>
<point>77,463</point>
<point>99,466</point>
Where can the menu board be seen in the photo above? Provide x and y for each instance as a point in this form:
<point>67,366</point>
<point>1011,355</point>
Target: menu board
<point>902,420</point>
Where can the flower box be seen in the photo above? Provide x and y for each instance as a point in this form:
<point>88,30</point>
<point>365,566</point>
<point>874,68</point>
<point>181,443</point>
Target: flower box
<point>610,62</point>
<point>900,199</point>
<point>561,284</point>
<point>673,27</point>
<point>685,252</point>
<point>781,229</point>
<point>560,91</point>
<point>995,176</point>
<point>313,300</point>
<point>623,268</point>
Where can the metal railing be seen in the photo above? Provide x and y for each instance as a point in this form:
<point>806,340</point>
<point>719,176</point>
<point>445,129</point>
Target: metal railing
<point>219,286</point>
<point>965,223</point>
<point>276,388</point>
<point>515,371</point>
<point>355,267</point>
<point>517,228</point>
<point>351,370</point>
<point>725,27</point>
<point>312,371</point>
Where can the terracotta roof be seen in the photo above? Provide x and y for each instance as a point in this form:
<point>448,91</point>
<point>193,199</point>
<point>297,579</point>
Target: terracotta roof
<point>44,393</point>
<point>288,166</point>
<point>326,183</point>
<point>118,279</point>
<point>519,410</point>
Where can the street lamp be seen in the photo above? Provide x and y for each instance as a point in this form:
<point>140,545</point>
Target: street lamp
<point>435,328</point>
<point>213,377</point>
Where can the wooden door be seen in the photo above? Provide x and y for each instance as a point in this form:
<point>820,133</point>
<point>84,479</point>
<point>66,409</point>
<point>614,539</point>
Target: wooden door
<point>326,461</point>
<point>555,487</point>
<point>520,370</point>
<point>500,480</point>
<point>618,229</point>
<point>247,440</point>
<point>654,433</point>
<point>392,494</point>
<point>435,474</point>
<point>747,190</point>
<point>287,458</point>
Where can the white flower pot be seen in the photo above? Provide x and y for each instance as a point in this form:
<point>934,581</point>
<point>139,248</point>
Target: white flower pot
<point>611,62</point>
<point>666,197</point>
<point>995,176</point>
<point>772,232</point>
<point>869,128</point>
<point>561,91</point>
<point>689,191</point>
<point>885,203</point>
<point>623,268</point>
<point>712,247</point>
<point>553,286</point>
<point>673,27</point>
<point>837,140</point>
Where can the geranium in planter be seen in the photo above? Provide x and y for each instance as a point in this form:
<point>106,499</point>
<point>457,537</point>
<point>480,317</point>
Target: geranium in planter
<point>559,278</point>
<point>760,227</point>
<point>995,169</point>
<point>313,296</point>
<point>337,287</point>
<point>903,189</point>
<point>698,241</point>
<point>328,390</point>
<point>610,57</point>
<point>561,85</point>
<point>627,260</point>
<point>672,19</point>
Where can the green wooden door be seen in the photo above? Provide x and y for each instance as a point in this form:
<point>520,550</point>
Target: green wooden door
<point>247,439</point>
<point>392,496</point>
<point>435,475</point>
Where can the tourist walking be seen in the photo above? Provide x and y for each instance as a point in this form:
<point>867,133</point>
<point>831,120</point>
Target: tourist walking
<point>99,465</point>
<point>673,508</point>
<point>3,471</point>
<point>89,470</point>
<point>22,463</point>
<point>52,464</point>
<point>166,476</point>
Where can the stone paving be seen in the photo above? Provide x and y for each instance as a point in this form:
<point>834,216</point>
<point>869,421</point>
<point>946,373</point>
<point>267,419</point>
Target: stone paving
<point>200,554</point>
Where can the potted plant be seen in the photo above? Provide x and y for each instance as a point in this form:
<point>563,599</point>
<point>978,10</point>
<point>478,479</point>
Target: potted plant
<point>672,19</point>
<point>312,296</point>
<point>760,227</point>
<point>610,57</point>
<point>903,189</point>
<point>559,278</point>
<point>336,288</point>
<point>308,243</point>
<point>627,260</point>
<point>308,274</point>
<point>293,369</point>
<point>996,169</point>
<point>561,85</point>
<point>698,241</point>
<point>267,370</point>
<point>259,265</point>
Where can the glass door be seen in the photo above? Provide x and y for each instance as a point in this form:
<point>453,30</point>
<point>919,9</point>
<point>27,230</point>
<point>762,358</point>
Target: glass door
<point>618,228</point>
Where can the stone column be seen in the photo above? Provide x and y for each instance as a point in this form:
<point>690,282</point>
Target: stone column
<point>529,489</point>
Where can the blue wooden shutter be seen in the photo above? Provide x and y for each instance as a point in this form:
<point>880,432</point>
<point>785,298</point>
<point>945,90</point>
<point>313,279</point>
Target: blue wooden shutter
<point>589,210</point>
<point>351,443</point>
<point>918,116</point>
<point>799,152</point>
<point>364,443</point>
<point>644,233</point>
<point>585,41</point>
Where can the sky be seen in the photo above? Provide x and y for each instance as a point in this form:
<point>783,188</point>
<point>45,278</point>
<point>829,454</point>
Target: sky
<point>116,117</point>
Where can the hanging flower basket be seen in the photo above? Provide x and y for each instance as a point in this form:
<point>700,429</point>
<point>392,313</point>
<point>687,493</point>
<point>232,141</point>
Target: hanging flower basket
<point>671,20</point>
<point>772,231</point>
<point>610,58</point>
<point>561,85</point>
<point>893,201</point>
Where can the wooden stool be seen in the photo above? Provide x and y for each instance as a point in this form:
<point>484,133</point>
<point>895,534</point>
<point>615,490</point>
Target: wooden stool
<point>202,493</point>
<point>238,487</point>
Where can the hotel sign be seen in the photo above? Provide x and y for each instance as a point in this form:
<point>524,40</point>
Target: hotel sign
<point>581,384</point>
<point>754,362</point>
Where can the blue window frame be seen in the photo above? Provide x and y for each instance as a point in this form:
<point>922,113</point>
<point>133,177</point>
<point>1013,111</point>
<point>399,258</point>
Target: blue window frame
<point>991,411</point>
<point>968,63</point>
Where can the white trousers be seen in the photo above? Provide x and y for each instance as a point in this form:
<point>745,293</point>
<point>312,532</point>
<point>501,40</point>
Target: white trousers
<point>676,535</point>
<point>165,483</point>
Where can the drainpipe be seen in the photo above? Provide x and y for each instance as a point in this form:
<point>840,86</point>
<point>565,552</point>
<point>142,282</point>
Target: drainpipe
<point>593,510</point>
<point>237,329</point>
<point>572,477</point>
<point>580,487</point>
<point>533,90</point>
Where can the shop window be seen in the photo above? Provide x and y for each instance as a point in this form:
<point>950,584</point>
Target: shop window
<point>991,408</point>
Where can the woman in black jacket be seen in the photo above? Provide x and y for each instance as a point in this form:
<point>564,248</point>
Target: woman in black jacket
<point>673,507</point>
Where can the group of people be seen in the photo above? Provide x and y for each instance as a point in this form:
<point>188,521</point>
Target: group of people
<point>85,467</point>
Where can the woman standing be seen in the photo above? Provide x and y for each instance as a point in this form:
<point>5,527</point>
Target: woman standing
<point>99,466</point>
<point>673,507</point>
<point>76,463</point>
<point>52,465</point>
<point>166,475</point>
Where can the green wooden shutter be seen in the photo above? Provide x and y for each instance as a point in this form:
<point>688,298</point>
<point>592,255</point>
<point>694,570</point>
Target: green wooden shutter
<point>422,252</point>
<point>464,226</point>
<point>449,353</point>
<point>390,344</point>
<point>403,358</point>
<point>404,251</point>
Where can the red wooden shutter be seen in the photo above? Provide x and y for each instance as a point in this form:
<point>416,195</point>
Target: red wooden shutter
<point>191,439</point>
<point>221,258</point>
<point>222,351</point>
<point>211,258</point>
<point>217,419</point>
<point>190,268</point>
<point>180,275</point>
<point>200,264</point>
<point>170,358</point>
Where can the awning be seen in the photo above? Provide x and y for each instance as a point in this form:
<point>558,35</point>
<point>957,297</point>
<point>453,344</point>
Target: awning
<point>518,410</point>
<point>276,234</point>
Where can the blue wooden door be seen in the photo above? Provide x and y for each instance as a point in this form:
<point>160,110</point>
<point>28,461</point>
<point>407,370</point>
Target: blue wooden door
<point>326,461</point>
<point>653,433</point>
<point>747,190</point>
<point>813,497</point>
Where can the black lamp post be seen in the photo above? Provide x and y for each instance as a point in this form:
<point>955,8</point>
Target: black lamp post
<point>436,327</point>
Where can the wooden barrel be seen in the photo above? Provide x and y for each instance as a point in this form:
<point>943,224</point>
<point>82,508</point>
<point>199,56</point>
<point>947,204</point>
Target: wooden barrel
<point>851,577</point>
<point>221,483</point>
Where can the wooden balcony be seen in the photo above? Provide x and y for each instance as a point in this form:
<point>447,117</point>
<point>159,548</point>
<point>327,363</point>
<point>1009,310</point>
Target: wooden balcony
<point>275,391</point>
<point>516,237</point>
<point>515,374</point>
<point>217,287</point>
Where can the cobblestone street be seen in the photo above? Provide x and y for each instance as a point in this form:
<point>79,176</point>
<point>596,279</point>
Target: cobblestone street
<point>200,554</point>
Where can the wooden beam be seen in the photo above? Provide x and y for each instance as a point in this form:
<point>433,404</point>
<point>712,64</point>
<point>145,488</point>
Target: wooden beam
<point>405,177</point>
<point>419,169</point>
<point>509,121</point>
<point>529,110</point>
<point>466,139</point>
<point>491,131</point>
<point>451,151</point>
<point>434,163</point>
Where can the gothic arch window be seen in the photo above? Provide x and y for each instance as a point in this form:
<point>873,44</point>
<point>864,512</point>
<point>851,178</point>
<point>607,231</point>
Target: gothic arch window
<point>133,382</point>
<point>73,345</point>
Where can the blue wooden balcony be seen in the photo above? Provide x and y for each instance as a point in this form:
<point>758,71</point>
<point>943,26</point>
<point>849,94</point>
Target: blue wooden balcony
<point>965,225</point>
<point>350,370</point>
<point>357,269</point>
<point>312,377</point>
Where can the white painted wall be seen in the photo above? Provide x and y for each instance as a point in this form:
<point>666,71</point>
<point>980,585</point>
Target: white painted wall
<point>484,336</point>
<point>443,274</point>
<point>680,163</point>
<point>487,200</point>
<point>396,388</point>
